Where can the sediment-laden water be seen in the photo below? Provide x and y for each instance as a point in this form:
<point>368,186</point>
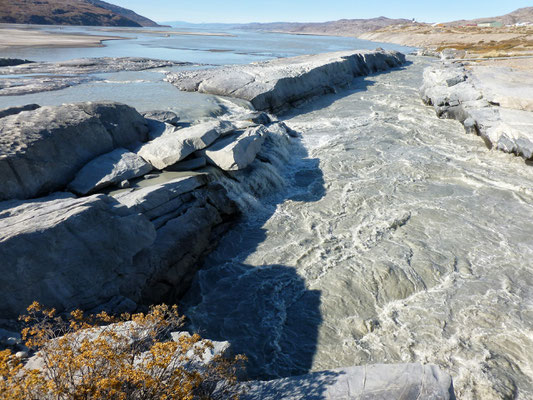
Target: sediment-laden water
<point>397,238</point>
<point>388,236</point>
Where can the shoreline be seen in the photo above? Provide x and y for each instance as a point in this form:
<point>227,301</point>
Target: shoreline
<point>16,38</point>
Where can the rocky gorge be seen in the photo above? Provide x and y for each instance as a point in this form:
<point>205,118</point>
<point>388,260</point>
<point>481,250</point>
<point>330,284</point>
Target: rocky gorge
<point>107,209</point>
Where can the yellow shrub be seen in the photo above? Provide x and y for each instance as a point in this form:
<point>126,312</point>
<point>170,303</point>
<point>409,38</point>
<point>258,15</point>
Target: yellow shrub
<point>101,357</point>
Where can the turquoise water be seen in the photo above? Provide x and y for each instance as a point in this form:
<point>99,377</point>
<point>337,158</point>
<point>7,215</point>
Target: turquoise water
<point>240,47</point>
<point>147,90</point>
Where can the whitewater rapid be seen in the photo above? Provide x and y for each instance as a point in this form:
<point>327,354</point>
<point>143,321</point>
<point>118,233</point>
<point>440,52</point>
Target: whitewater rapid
<point>389,236</point>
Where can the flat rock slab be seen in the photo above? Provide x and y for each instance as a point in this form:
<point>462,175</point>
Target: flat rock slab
<point>147,199</point>
<point>109,169</point>
<point>236,152</point>
<point>42,150</point>
<point>174,145</point>
<point>510,88</point>
<point>63,74</point>
<point>88,66</point>
<point>167,117</point>
<point>276,84</point>
<point>66,252</point>
<point>493,102</point>
<point>370,382</point>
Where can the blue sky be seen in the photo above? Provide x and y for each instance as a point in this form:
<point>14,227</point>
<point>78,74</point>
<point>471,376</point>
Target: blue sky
<point>316,10</point>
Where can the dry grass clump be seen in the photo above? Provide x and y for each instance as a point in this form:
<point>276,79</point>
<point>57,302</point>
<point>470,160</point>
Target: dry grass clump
<point>125,358</point>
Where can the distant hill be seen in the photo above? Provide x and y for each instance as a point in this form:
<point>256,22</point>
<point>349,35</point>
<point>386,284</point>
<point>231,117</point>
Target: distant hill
<point>69,12</point>
<point>343,27</point>
<point>518,16</point>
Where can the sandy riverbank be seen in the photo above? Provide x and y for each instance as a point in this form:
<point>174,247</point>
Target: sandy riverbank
<point>19,36</point>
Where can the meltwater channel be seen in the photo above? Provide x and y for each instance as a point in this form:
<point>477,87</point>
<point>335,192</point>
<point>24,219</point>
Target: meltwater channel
<point>391,236</point>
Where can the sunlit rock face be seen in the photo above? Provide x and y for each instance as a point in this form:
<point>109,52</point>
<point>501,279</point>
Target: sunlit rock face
<point>278,84</point>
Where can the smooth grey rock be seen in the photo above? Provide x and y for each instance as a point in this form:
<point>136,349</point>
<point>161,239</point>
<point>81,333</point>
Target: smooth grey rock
<point>125,125</point>
<point>35,84</point>
<point>63,74</point>
<point>470,126</point>
<point>426,52</point>
<point>188,165</point>
<point>66,252</point>
<point>108,169</point>
<point>513,133</point>
<point>15,110</point>
<point>236,152</point>
<point>168,149</point>
<point>124,184</point>
<point>42,150</point>
<point>148,198</point>
<point>218,349</point>
<point>276,84</point>
<point>158,128</point>
<point>371,382</point>
<point>167,117</point>
<point>88,66</point>
<point>190,217</point>
<point>181,243</point>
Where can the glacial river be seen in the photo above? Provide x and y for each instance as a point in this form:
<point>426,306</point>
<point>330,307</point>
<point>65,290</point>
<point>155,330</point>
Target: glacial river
<point>383,234</point>
<point>398,238</point>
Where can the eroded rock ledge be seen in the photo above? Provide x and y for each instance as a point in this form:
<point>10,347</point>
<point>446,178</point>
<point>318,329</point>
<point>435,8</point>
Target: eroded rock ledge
<point>277,84</point>
<point>103,207</point>
<point>495,103</point>
<point>380,381</point>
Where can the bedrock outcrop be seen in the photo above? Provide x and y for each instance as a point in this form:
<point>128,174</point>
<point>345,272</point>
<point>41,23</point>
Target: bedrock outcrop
<point>139,244</point>
<point>369,382</point>
<point>278,84</point>
<point>63,74</point>
<point>495,103</point>
<point>41,150</point>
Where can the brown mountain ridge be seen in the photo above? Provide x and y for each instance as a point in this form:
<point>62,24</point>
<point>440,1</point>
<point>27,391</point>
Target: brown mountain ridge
<point>69,12</point>
<point>343,27</point>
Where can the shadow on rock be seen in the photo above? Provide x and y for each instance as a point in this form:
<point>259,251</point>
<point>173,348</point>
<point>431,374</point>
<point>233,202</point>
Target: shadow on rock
<point>359,84</point>
<point>265,311</point>
<point>312,387</point>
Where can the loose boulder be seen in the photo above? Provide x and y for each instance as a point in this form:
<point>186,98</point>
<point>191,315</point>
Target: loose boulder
<point>236,152</point>
<point>42,150</point>
<point>66,252</point>
<point>369,382</point>
<point>171,147</point>
<point>109,169</point>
